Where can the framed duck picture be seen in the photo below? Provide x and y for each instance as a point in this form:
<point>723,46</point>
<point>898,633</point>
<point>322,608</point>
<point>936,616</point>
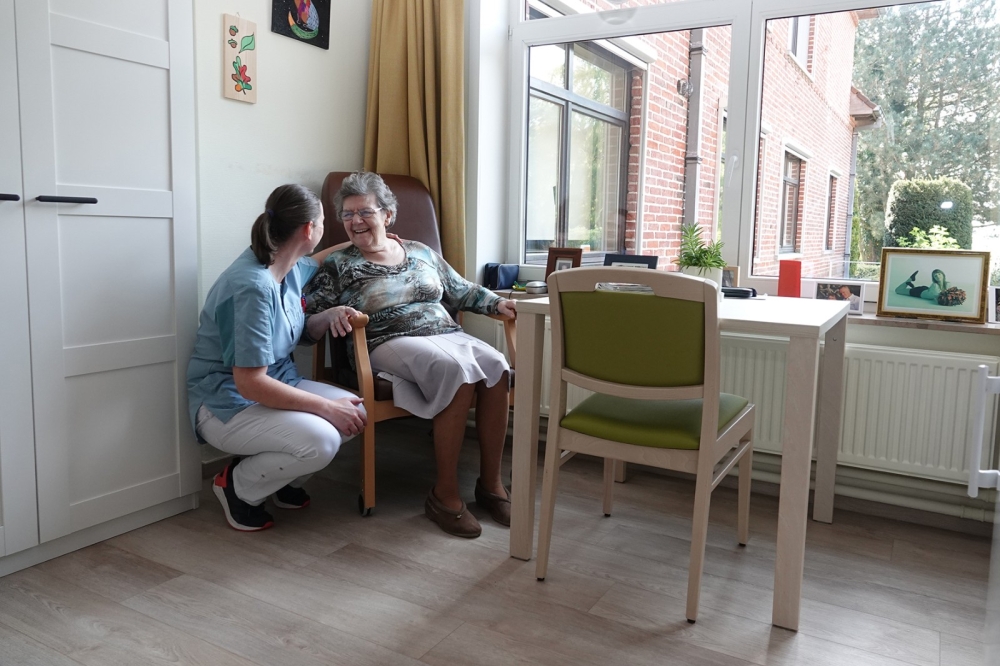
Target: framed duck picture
<point>934,284</point>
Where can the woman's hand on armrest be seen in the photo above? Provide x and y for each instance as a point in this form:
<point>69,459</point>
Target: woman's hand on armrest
<point>507,308</point>
<point>337,320</point>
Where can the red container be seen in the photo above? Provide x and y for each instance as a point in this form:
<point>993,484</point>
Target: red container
<point>790,278</point>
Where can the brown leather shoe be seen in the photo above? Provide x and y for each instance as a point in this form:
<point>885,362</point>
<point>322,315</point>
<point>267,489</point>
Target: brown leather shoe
<point>499,507</point>
<point>459,523</point>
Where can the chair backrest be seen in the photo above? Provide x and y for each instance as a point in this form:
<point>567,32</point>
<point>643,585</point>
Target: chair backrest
<point>415,217</point>
<point>661,345</point>
<point>415,220</point>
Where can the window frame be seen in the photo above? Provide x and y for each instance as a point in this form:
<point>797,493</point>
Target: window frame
<point>571,103</point>
<point>830,231</point>
<point>748,20</point>
<point>607,25</point>
<point>793,221</point>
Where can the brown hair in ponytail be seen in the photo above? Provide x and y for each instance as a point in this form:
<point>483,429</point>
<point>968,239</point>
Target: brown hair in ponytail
<point>287,209</point>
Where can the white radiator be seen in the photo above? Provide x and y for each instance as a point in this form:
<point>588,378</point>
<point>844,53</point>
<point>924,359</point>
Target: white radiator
<point>905,411</point>
<point>909,411</point>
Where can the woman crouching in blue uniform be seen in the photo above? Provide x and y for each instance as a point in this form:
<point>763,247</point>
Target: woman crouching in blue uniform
<point>246,396</point>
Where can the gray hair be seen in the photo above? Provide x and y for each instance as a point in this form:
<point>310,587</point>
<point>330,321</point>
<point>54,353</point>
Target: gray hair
<point>363,183</point>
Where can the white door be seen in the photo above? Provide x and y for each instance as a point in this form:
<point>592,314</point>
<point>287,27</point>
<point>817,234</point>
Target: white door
<point>18,510</point>
<point>107,116</point>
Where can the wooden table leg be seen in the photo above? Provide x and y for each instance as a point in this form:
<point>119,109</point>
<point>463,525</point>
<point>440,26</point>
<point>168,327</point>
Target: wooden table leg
<point>828,421</point>
<point>524,454</point>
<point>802,365</point>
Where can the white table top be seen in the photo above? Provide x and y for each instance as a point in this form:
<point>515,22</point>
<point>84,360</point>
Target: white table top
<point>774,315</point>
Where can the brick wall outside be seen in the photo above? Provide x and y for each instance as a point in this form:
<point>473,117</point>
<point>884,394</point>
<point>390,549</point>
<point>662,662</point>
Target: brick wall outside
<point>811,112</point>
<point>808,109</point>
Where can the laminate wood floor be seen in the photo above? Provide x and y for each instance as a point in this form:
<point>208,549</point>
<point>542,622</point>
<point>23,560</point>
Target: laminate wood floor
<point>325,586</point>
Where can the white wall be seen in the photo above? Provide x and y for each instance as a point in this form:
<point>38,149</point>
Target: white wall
<point>486,134</point>
<point>309,119</point>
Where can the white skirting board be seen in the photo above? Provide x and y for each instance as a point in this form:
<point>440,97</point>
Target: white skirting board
<point>91,535</point>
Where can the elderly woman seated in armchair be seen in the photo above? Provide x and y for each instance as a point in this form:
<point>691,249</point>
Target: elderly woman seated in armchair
<point>407,289</point>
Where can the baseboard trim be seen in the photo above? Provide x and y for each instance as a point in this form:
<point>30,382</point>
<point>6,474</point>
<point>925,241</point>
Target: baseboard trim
<point>97,533</point>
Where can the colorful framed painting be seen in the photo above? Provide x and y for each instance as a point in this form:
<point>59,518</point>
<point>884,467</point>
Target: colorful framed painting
<point>239,57</point>
<point>934,284</point>
<point>305,20</point>
<point>561,258</point>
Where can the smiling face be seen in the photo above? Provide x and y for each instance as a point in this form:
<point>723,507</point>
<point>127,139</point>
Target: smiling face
<point>845,292</point>
<point>366,234</point>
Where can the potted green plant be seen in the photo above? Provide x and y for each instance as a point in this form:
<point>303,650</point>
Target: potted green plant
<point>699,258</point>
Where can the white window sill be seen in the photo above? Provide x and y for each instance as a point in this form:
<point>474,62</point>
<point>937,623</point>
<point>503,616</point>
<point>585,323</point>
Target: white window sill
<point>801,65</point>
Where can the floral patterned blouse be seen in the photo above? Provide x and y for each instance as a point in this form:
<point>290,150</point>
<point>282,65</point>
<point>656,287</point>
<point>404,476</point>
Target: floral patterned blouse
<point>416,297</point>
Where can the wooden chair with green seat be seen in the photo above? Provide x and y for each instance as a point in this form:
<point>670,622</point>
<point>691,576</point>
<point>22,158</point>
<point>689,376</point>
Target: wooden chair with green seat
<point>416,220</point>
<point>652,360</point>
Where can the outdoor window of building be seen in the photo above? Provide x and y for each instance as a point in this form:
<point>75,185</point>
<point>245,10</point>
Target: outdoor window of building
<point>577,152</point>
<point>790,191</point>
<point>798,40</point>
<point>831,214</point>
<point>910,109</point>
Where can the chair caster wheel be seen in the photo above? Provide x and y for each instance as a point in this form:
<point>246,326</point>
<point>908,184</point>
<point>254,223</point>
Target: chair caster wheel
<point>743,545</point>
<point>540,580</point>
<point>690,621</point>
<point>607,515</point>
<point>361,507</point>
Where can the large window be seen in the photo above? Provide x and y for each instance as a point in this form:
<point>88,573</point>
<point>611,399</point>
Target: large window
<point>830,118</point>
<point>905,100</point>
<point>577,153</point>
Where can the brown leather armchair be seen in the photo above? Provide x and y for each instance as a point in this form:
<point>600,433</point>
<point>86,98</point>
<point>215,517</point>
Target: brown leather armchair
<point>416,220</point>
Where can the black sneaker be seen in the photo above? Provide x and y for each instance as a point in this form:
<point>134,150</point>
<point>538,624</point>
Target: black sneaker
<point>240,515</point>
<point>290,498</point>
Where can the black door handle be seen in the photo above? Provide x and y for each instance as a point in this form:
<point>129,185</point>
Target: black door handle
<point>9,197</point>
<point>76,200</point>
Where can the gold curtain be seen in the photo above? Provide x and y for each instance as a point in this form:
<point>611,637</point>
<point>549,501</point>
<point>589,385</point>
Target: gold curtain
<point>415,124</point>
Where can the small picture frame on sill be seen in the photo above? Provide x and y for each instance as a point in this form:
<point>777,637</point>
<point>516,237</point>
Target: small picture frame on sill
<point>852,292</point>
<point>993,303</point>
<point>631,260</point>
<point>730,276</point>
<point>561,258</point>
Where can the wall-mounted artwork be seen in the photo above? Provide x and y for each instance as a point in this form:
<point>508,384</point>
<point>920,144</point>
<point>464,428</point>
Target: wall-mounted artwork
<point>305,20</point>
<point>239,58</point>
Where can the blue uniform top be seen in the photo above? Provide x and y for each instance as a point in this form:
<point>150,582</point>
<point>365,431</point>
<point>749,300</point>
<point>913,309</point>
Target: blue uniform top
<point>248,321</point>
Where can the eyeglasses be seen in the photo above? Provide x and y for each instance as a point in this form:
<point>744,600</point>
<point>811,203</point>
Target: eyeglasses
<point>364,214</point>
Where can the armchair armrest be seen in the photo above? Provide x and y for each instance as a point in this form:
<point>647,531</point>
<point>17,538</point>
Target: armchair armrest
<point>366,378</point>
<point>357,322</point>
<point>510,334</point>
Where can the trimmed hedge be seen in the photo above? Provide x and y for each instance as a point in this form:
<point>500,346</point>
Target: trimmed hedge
<point>917,204</point>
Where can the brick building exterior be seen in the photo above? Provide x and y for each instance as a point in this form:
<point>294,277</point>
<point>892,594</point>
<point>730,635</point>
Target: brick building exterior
<point>805,115</point>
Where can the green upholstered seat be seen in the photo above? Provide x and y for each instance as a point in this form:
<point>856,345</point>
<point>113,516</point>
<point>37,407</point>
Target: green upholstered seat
<point>665,424</point>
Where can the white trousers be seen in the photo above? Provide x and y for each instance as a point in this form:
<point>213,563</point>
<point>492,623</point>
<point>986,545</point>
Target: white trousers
<point>282,447</point>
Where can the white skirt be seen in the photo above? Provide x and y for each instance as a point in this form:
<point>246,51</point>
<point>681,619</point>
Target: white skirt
<point>427,371</point>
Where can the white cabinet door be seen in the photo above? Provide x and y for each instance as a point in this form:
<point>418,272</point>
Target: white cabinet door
<point>18,510</point>
<point>107,111</point>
